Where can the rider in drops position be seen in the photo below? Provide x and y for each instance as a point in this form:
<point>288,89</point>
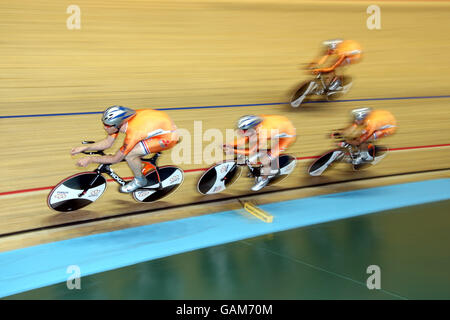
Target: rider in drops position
<point>346,52</point>
<point>257,131</point>
<point>373,125</point>
<point>147,131</point>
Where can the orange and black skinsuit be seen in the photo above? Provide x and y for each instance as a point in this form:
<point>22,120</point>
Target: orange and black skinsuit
<point>347,52</point>
<point>154,129</point>
<point>273,128</point>
<point>378,124</point>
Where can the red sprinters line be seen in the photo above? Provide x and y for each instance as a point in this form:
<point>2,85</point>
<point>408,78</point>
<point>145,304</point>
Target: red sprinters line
<point>24,190</point>
<point>203,169</point>
<point>420,147</point>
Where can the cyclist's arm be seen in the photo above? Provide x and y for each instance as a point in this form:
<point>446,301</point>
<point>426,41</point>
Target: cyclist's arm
<point>246,151</point>
<point>100,145</point>
<point>337,64</point>
<point>365,136</point>
<point>242,150</point>
<point>109,159</point>
<point>323,59</point>
<point>349,131</point>
<point>239,142</point>
<point>349,134</point>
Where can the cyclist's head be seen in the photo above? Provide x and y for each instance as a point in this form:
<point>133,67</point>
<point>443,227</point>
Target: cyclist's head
<point>115,116</point>
<point>332,44</point>
<point>360,114</point>
<point>248,122</point>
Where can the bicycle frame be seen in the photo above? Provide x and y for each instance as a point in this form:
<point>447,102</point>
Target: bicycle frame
<point>103,168</point>
<point>106,168</point>
<point>351,151</point>
<point>246,163</point>
<point>66,195</point>
<point>319,77</point>
<point>322,82</point>
<point>254,170</point>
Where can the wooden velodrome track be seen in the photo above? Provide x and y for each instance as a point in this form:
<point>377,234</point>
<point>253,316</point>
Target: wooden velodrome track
<point>178,54</point>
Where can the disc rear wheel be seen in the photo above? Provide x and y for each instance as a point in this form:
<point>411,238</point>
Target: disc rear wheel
<point>286,164</point>
<point>219,177</point>
<point>171,178</point>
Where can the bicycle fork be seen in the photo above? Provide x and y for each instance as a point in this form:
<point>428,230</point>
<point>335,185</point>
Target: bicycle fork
<point>89,185</point>
<point>102,169</point>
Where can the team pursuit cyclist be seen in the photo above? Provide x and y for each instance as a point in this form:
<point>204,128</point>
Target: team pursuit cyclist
<point>147,131</point>
<point>371,125</point>
<point>344,52</point>
<point>257,131</point>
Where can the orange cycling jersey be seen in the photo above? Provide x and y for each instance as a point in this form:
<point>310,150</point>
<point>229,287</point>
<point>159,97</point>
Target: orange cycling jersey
<point>272,127</point>
<point>145,126</point>
<point>347,52</point>
<point>379,123</point>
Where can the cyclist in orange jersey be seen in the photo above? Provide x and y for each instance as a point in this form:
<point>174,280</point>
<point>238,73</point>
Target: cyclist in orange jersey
<point>147,131</point>
<point>373,124</point>
<point>346,52</point>
<point>257,131</point>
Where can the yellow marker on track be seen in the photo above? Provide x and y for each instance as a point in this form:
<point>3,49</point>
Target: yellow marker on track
<point>257,212</point>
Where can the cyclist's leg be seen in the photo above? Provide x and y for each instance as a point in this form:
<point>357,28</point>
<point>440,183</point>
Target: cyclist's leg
<point>375,137</point>
<point>269,160</point>
<point>159,144</point>
<point>383,133</point>
<point>367,148</point>
<point>335,82</point>
<point>271,165</point>
<point>143,148</point>
<point>134,159</point>
<point>327,78</point>
<point>331,79</point>
<point>134,162</point>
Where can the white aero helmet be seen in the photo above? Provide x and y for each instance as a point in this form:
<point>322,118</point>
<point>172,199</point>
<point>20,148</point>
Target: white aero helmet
<point>332,44</point>
<point>361,113</point>
<point>117,115</point>
<point>248,122</point>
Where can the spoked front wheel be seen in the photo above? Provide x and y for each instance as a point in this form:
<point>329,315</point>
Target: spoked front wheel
<point>171,178</point>
<point>219,177</point>
<point>302,93</point>
<point>69,194</point>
